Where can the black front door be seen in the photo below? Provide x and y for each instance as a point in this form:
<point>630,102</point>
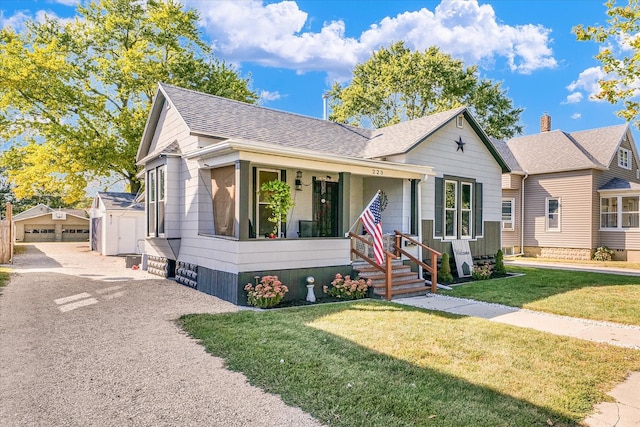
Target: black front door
<point>325,207</point>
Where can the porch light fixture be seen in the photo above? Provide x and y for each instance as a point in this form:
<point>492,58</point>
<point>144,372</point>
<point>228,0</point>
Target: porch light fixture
<point>299,181</point>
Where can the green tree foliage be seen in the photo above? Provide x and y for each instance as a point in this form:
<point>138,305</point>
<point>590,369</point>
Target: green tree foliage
<point>396,84</point>
<point>622,65</point>
<point>74,96</point>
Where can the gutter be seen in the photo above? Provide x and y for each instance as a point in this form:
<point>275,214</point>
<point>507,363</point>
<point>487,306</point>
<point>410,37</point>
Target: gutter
<point>526,175</point>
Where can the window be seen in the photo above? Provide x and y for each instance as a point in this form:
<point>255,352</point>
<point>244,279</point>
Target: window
<point>620,212</point>
<point>465,210</point>
<point>263,226</point>
<point>458,208</point>
<point>223,192</point>
<point>460,121</point>
<point>451,209</point>
<point>507,214</point>
<point>156,185</point>
<point>624,158</point>
<point>553,214</point>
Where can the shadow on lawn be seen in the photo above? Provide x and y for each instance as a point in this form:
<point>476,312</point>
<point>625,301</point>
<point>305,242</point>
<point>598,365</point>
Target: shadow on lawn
<point>341,382</point>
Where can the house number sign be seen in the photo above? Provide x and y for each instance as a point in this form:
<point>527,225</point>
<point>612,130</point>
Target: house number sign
<point>377,171</point>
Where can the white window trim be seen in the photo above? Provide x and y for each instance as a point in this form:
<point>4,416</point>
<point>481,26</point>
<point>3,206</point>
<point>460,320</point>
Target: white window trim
<point>460,121</point>
<point>511,221</point>
<point>624,158</point>
<point>470,210</point>
<point>454,209</point>
<point>619,212</point>
<point>546,215</point>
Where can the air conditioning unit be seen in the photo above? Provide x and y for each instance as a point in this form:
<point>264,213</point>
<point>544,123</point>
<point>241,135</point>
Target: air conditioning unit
<point>59,215</point>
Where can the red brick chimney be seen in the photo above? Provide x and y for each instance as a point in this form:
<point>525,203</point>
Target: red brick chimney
<point>545,123</point>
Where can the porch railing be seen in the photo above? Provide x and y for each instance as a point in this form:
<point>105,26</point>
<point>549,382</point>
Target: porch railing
<point>433,268</point>
<point>387,269</point>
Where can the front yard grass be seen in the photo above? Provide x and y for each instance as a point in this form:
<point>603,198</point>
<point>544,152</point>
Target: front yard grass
<point>373,363</point>
<point>589,295</point>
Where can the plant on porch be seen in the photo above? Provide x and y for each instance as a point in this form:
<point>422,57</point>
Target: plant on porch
<point>278,196</point>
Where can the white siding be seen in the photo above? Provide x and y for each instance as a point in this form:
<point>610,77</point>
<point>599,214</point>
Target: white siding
<point>476,162</point>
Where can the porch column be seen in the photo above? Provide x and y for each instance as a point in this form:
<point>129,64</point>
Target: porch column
<point>344,204</point>
<point>414,207</point>
<point>242,166</point>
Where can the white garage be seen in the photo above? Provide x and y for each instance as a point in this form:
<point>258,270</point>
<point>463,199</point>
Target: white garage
<point>117,224</point>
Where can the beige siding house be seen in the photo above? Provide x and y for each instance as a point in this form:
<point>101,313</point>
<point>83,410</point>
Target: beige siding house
<point>44,224</point>
<point>569,193</point>
<point>205,158</point>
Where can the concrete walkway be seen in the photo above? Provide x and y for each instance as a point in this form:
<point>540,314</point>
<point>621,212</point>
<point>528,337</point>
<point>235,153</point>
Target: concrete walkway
<point>625,411</point>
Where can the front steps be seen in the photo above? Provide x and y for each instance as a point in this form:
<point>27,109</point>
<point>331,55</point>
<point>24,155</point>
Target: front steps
<point>406,283</point>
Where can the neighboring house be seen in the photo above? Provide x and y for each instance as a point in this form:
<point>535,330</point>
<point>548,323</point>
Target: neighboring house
<point>205,158</point>
<point>44,224</point>
<point>118,224</point>
<point>579,190</point>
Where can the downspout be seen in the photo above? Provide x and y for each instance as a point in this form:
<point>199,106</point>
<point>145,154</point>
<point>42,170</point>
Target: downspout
<point>526,175</point>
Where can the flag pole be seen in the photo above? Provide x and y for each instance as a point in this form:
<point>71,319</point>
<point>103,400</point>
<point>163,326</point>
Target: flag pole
<point>363,211</point>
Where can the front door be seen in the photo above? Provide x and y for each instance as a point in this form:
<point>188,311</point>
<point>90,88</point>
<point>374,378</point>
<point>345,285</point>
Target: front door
<point>325,207</point>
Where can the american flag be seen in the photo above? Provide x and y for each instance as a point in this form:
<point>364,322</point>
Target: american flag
<point>372,223</point>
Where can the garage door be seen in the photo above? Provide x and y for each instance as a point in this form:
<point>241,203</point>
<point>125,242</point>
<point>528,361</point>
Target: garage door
<point>39,233</point>
<point>75,234</point>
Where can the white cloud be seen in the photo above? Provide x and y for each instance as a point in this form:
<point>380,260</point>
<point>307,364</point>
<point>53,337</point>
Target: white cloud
<point>265,95</point>
<point>67,2</point>
<point>587,82</point>
<point>576,116</point>
<point>18,20</point>
<point>574,98</point>
<point>274,35</point>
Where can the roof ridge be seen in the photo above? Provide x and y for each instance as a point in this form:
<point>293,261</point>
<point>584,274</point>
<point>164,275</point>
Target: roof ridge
<point>583,150</point>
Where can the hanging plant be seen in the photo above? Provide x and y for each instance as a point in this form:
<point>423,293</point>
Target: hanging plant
<point>278,195</point>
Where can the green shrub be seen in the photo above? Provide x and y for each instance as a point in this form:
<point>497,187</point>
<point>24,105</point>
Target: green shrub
<point>499,269</point>
<point>444,274</point>
<point>482,272</point>
<point>603,253</point>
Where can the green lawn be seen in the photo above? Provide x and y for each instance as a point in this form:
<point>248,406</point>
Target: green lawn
<point>597,296</point>
<point>373,363</point>
<point>4,278</point>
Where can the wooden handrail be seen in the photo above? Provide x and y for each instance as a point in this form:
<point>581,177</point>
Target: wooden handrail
<point>433,269</point>
<point>387,269</point>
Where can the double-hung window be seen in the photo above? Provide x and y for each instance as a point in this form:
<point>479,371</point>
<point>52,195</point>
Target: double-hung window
<point>156,195</point>
<point>552,216</point>
<point>458,207</point>
<point>507,214</point>
<point>624,158</point>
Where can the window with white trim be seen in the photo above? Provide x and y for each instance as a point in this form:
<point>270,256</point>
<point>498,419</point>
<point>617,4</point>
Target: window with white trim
<point>508,209</point>
<point>466,210</point>
<point>451,209</point>
<point>552,214</point>
<point>624,158</point>
<point>263,226</point>
<point>156,194</point>
<point>620,212</point>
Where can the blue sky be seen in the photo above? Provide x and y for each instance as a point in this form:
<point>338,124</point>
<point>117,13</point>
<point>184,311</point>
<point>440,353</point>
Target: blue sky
<point>294,50</point>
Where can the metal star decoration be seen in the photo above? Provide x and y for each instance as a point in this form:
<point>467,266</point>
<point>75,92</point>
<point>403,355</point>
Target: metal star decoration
<point>460,144</point>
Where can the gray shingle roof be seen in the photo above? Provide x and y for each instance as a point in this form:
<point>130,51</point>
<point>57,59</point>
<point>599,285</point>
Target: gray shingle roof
<point>225,118</point>
<point>620,184</point>
<point>120,201</point>
<point>221,118</point>
<point>502,148</point>
<point>401,137</point>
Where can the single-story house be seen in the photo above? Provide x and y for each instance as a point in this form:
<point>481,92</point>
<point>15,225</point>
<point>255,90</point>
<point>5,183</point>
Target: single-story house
<point>206,157</point>
<point>44,224</point>
<point>569,193</point>
<point>118,224</point>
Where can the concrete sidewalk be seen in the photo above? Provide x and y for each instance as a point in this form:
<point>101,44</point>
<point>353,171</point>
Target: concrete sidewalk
<point>625,411</point>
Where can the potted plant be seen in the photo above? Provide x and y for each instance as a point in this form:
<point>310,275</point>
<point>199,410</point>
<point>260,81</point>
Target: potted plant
<point>278,196</point>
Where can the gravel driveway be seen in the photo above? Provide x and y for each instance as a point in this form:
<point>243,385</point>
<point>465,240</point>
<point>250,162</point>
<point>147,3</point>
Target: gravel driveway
<point>86,342</point>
